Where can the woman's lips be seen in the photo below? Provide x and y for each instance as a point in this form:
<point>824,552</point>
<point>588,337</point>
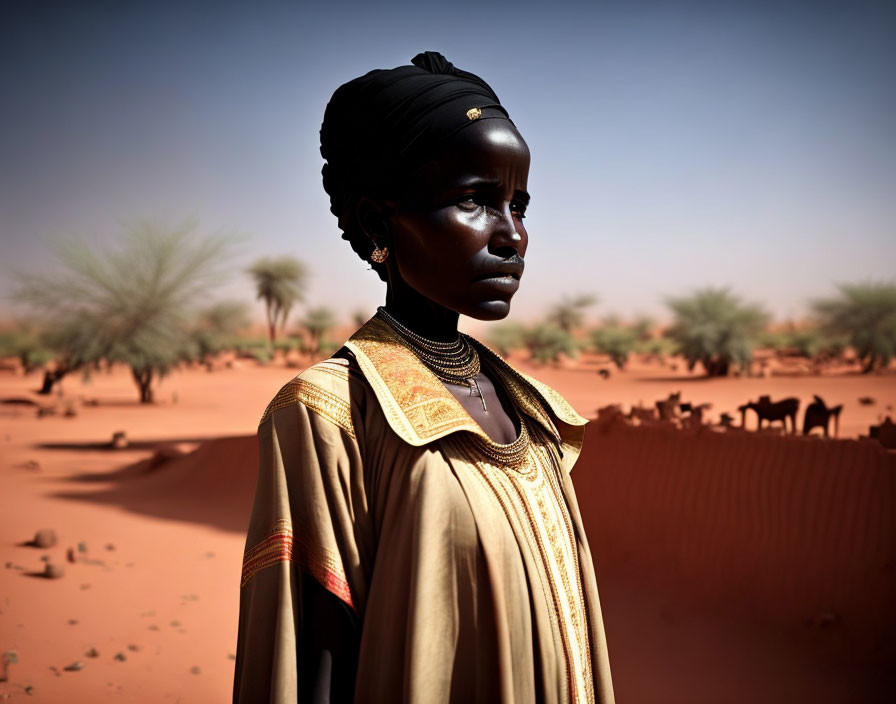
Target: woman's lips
<point>505,281</point>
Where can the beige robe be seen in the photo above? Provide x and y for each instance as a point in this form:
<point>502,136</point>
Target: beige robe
<point>465,561</point>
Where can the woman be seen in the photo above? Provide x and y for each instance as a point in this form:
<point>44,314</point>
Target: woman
<point>415,534</point>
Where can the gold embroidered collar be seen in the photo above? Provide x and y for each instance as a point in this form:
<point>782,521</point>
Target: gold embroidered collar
<point>420,409</point>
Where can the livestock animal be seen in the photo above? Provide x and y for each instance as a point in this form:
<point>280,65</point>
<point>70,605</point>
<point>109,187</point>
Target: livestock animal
<point>885,433</point>
<point>668,408</point>
<point>769,410</point>
<point>644,416</point>
<point>818,415</point>
<point>694,417</point>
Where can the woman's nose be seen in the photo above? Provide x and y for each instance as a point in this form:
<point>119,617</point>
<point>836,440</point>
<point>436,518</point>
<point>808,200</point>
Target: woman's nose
<point>506,233</point>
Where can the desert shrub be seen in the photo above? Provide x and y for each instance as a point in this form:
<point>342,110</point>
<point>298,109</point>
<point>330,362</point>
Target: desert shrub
<point>865,315</point>
<point>217,328</point>
<point>507,337</point>
<point>569,314</point>
<point>247,347</point>
<point>714,328</point>
<point>616,340</point>
<point>548,342</point>
<point>262,355</point>
<point>656,347</point>
<point>27,345</point>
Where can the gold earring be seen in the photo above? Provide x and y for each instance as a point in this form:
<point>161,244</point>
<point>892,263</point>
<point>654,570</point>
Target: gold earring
<point>379,255</point>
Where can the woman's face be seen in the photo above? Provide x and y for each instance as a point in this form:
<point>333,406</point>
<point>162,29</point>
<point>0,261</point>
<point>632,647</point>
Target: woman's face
<point>457,234</point>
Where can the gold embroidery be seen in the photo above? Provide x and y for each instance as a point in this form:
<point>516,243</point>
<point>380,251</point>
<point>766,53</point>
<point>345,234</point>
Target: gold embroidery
<point>281,545</point>
<point>534,504</point>
<point>417,405</point>
<point>324,403</point>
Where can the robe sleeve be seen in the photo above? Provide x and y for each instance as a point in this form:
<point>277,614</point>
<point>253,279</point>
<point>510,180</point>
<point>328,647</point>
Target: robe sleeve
<point>309,519</point>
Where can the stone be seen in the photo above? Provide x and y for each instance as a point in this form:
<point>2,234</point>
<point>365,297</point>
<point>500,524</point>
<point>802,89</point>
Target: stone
<point>53,571</point>
<point>45,538</point>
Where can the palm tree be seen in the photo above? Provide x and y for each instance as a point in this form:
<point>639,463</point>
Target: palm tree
<point>132,303</point>
<point>280,283</point>
<point>713,327</point>
<point>866,315</point>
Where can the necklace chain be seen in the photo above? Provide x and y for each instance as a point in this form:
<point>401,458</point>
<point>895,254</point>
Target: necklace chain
<point>455,362</point>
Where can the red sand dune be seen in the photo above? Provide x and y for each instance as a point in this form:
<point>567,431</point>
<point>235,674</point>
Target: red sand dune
<point>787,544</point>
<point>732,568</point>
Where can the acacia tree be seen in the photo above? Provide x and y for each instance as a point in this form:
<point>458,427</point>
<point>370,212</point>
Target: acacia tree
<point>131,303</point>
<point>507,337</point>
<point>615,340</point>
<point>569,313</point>
<point>713,327</point>
<point>866,315</point>
<point>280,283</point>
<point>548,342</point>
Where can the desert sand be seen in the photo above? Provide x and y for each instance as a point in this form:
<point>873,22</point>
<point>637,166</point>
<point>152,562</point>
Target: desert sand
<point>149,604</point>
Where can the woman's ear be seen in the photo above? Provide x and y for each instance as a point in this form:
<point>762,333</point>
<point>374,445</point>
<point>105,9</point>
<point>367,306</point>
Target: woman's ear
<point>372,217</point>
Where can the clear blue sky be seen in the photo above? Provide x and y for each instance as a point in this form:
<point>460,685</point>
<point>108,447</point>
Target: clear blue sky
<point>674,145</point>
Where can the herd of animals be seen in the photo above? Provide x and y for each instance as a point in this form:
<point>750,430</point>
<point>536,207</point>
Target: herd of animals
<point>817,414</point>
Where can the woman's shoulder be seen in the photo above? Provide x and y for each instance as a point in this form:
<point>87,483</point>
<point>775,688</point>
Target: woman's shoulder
<point>326,388</point>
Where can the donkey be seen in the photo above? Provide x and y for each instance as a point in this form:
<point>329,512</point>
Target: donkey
<point>818,415</point>
<point>771,411</point>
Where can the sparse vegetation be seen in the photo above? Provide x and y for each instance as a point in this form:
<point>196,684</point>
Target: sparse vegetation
<point>132,303</point>
<point>715,329</point>
<point>217,328</point>
<point>280,283</point>
<point>865,314</point>
<point>507,337</point>
<point>616,340</point>
<point>316,323</point>
<point>548,342</point>
<point>569,314</point>
<point>26,344</point>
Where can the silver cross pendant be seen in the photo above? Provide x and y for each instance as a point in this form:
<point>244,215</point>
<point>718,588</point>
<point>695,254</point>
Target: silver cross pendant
<point>476,391</point>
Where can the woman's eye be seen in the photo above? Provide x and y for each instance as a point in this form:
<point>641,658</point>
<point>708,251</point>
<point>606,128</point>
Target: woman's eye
<point>518,209</point>
<point>468,203</point>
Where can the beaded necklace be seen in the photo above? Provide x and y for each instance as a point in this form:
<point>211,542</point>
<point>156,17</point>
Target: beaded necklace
<point>455,362</point>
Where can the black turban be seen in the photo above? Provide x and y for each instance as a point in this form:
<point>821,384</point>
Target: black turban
<point>388,120</point>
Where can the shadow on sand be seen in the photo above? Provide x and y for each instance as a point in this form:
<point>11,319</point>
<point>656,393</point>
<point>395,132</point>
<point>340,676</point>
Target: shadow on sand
<point>213,485</point>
